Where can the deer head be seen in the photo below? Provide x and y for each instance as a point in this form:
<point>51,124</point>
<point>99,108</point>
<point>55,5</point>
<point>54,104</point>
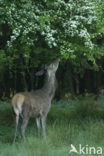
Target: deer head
<point>50,69</point>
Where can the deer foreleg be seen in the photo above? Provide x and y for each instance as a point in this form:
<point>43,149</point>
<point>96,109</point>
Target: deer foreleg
<point>38,125</point>
<point>43,120</point>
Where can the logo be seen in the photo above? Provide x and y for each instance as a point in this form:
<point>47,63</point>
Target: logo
<point>86,149</point>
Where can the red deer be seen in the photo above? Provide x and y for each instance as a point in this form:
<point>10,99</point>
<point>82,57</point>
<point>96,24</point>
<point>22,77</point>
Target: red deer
<point>36,104</point>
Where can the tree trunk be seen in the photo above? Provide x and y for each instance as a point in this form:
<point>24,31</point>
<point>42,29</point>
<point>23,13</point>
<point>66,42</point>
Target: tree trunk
<point>77,84</point>
<point>31,73</point>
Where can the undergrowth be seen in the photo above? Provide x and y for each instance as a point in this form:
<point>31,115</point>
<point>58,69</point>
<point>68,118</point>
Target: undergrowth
<point>70,121</point>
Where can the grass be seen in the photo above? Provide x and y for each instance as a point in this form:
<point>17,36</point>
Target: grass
<point>69,122</point>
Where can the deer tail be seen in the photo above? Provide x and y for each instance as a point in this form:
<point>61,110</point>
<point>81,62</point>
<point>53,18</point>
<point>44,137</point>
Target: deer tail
<point>17,103</point>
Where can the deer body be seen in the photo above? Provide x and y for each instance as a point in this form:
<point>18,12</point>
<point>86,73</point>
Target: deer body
<point>36,104</point>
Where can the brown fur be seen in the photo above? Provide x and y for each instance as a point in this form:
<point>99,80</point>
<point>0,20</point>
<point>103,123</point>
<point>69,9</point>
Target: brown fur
<point>36,104</point>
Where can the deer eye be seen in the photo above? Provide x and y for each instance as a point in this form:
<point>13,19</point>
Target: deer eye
<point>52,65</point>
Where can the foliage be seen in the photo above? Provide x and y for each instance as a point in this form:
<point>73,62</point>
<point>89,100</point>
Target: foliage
<point>63,25</point>
<point>33,33</point>
<point>98,35</point>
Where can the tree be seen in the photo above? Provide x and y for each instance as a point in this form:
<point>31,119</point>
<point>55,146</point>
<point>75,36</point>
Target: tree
<point>35,32</point>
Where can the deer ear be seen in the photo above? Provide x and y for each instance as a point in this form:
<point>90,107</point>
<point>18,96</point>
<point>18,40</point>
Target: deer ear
<point>45,67</point>
<point>39,73</point>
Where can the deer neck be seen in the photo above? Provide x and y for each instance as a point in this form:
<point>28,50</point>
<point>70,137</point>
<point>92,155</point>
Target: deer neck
<point>50,85</point>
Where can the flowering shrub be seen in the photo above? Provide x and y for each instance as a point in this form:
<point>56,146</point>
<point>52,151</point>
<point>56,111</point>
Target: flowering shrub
<point>65,25</point>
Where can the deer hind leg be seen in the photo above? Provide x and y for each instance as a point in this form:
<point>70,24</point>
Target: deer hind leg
<point>23,127</point>
<point>38,125</point>
<point>16,126</point>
